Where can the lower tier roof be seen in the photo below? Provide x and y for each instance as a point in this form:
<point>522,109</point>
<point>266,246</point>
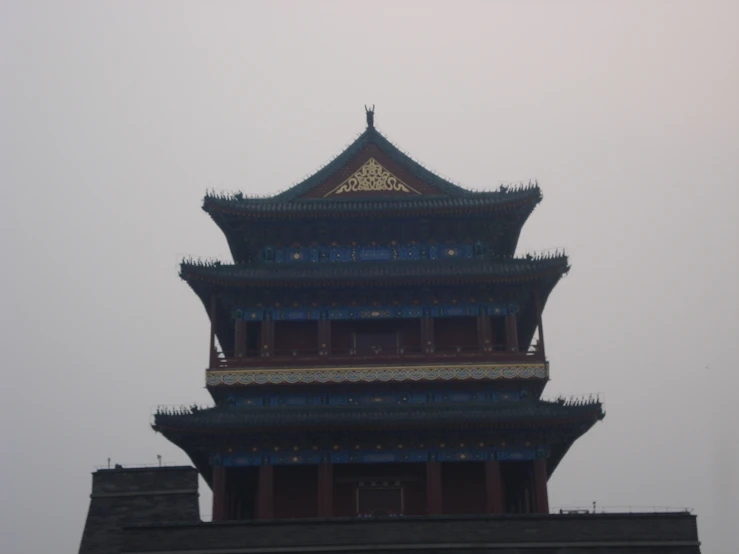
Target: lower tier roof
<point>530,414</point>
<point>204,433</point>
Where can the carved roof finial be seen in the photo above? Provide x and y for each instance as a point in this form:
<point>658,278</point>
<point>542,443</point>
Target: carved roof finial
<point>370,115</point>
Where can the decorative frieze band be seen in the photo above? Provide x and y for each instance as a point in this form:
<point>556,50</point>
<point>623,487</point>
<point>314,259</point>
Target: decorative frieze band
<point>386,456</point>
<point>249,377</point>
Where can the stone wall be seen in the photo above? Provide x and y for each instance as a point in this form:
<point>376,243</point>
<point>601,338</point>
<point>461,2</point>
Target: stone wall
<point>674,533</point>
<point>122,497</point>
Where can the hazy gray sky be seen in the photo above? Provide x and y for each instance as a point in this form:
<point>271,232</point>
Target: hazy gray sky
<point>116,117</point>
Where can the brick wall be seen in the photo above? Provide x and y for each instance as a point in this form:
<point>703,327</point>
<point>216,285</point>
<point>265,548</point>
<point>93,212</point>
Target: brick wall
<point>138,495</point>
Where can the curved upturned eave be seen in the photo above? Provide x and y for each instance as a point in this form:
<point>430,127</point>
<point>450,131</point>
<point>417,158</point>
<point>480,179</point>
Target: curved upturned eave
<point>513,415</point>
<point>302,274</point>
<point>250,208</point>
<point>233,218</point>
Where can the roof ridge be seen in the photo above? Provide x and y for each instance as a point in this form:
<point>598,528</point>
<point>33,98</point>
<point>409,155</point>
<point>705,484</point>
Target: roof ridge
<point>370,136</point>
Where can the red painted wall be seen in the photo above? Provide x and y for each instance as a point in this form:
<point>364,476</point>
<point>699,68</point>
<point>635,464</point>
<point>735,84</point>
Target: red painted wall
<point>341,337</point>
<point>463,488</point>
<point>300,336</point>
<point>450,332</point>
<point>296,491</point>
<point>410,335</point>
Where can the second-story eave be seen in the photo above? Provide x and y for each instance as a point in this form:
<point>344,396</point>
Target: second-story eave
<point>206,280</point>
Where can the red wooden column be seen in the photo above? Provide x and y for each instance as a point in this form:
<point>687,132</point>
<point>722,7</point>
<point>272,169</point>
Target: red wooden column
<point>213,356</point>
<point>240,338</point>
<point>324,337</point>
<point>268,337</point>
<point>266,492</point>
<point>434,500</point>
<point>494,487</point>
<point>325,490</point>
<point>427,333</point>
<point>220,500</point>
<point>484,332</point>
<point>511,333</point>
<point>537,298</point>
<point>540,494</point>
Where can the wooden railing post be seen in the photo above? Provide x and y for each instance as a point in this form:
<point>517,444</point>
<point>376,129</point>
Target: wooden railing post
<point>511,333</point>
<point>324,335</point>
<point>539,324</point>
<point>427,332</point>
<point>213,355</point>
<point>240,338</point>
<point>484,331</point>
<point>267,336</point>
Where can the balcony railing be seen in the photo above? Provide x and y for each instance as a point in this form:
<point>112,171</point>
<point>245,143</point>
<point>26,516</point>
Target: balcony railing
<point>375,356</point>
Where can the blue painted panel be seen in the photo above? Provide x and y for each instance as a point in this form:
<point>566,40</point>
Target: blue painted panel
<point>380,398</point>
<point>379,457</point>
<point>295,400</point>
<point>374,253</point>
<point>288,458</point>
<point>418,398</point>
<point>469,455</point>
<point>376,313</point>
<point>253,315</point>
<point>518,454</point>
<point>251,400</point>
<point>242,459</point>
<point>408,252</point>
<point>506,396</point>
<point>339,457</point>
<point>235,460</point>
<point>362,253</point>
<point>338,254</point>
<point>372,312</point>
<point>415,456</point>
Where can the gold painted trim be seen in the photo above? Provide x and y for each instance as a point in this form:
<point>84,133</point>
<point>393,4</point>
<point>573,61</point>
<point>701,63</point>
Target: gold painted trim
<point>372,176</point>
<point>251,377</point>
<point>374,367</point>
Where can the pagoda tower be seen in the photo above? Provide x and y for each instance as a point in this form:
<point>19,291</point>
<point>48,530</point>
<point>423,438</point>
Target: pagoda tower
<point>376,349</point>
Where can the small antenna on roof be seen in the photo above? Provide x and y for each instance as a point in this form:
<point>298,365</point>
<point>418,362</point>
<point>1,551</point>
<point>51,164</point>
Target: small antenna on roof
<point>370,115</point>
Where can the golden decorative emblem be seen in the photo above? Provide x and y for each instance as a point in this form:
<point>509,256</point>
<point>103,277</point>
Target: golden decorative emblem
<point>372,177</point>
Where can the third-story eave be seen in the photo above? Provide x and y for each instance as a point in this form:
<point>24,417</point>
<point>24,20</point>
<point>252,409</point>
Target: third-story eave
<point>511,270</point>
<point>240,219</point>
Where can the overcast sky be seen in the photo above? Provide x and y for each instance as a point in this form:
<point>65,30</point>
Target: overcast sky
<point>116,117</point>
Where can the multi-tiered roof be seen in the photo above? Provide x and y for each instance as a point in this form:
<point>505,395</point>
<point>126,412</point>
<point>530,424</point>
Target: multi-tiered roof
<point>373,234</point>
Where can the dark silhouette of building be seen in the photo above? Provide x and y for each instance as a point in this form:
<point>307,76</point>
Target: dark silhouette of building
<point>377,362</point>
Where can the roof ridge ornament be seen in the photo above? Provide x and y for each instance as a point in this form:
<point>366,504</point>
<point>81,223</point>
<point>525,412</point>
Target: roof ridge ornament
<point>370,115</point>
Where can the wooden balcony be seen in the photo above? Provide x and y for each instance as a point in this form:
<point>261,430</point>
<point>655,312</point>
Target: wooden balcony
<point>456,354</point>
